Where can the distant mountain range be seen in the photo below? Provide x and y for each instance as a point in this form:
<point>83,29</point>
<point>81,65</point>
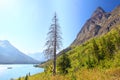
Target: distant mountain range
<point>11,55</point>
<point>99,23</point>
<point>38,56</point>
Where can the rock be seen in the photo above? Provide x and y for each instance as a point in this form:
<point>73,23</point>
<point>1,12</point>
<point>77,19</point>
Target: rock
<point>100,22</point>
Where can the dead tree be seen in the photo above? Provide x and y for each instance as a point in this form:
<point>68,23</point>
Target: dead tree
<point>53,42</point>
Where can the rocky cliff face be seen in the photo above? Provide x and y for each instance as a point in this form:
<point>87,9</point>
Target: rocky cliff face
<point>99,23</point>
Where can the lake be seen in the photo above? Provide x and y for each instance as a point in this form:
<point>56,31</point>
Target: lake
<point>15,71</point>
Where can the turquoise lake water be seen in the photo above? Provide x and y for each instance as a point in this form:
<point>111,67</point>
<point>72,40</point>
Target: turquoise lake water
<point>7,72</point>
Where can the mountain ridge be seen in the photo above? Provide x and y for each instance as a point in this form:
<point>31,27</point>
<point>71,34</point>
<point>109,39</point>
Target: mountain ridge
<point>99,23</point>
<point>11,55</point>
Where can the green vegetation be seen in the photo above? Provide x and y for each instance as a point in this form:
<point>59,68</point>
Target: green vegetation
<point>64,64</point>
<point>19,78</point>
<point>26,78</point>
<point>96,59</point>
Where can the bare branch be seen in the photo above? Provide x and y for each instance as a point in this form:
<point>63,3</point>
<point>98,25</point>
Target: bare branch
<point>53,43</point>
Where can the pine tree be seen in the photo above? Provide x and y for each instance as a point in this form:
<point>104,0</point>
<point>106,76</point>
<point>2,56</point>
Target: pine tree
<point>26,77</point>
<point>96,50</point>
<point>117,41</point>
<point>53,42</point>
<point>110,47</point>
<point>19,78</point>
<point>64,64</point>
<point>107,47</point>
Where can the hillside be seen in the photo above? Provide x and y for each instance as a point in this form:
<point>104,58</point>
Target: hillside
<point>99,23</point>
<point>85,65</point>
<point>95,53</point>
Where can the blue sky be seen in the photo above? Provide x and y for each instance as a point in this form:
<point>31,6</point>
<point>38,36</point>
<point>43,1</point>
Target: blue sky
<point>25,23</point>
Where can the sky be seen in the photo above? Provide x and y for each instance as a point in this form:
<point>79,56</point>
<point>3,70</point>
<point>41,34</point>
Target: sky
<point>25,23</point>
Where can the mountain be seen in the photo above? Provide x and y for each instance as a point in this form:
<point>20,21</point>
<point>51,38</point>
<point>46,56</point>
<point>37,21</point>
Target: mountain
<point>99,23</point>
<point>10,55</point>
<point>38,56</point>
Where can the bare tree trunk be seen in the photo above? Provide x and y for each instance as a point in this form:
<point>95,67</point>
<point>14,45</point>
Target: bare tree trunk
<point>54,61</point>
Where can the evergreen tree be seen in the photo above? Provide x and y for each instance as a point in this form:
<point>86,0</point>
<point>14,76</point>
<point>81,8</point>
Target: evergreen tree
<point>107,47</point>
<point>96,50</point>
<point>117,41</point>
<point>19,78</point>
<point>103,50</point>
<point>110,47</point>
<point>26,77</point>
<point>64,64</point>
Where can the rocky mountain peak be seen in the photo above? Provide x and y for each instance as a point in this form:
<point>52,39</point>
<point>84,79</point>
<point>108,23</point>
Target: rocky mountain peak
<point>98,11</point>
<point>100,22</point>
<point>4,43</point>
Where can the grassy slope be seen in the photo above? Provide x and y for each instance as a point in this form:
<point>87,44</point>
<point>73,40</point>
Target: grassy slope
<point>107,69</point>
<point>83,74</point>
